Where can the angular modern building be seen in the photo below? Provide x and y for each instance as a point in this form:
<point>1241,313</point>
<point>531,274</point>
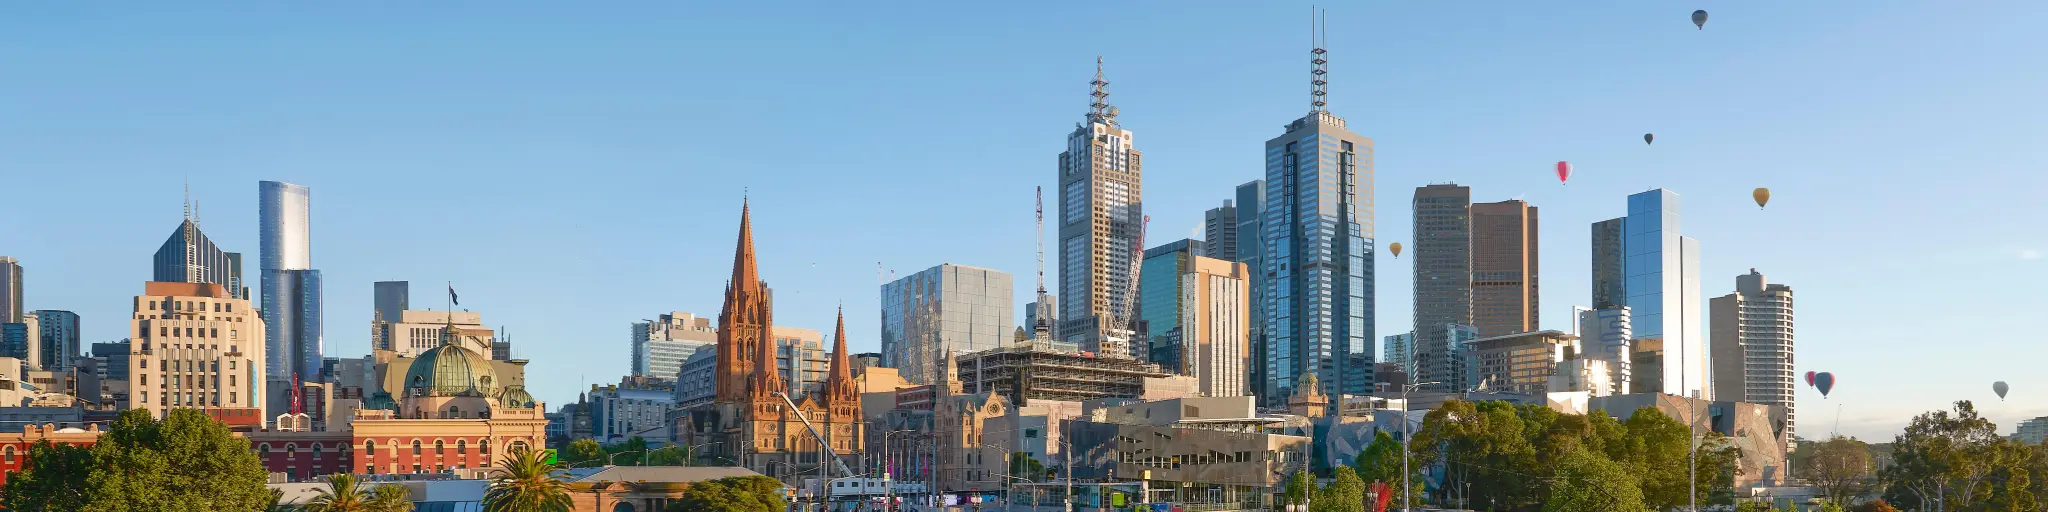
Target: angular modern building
<point>946,308</point>
<point>1318,247</point>
<point>660,346</point>
<point>10,290</point>
<point>57,335</point>
<point>291,299</point>
<point>1442,257</point>
<point>1100,219</point>
<point>1504,268</point>
<point>1660,284</point>
<point>1161,298</point>
<point>1752,345</point>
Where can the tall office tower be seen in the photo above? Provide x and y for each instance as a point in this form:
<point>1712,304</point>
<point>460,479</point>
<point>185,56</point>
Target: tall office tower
<point>1219,232</point>
<point>1660,285</point>
<point>195,345</point>
<point>1318,250</point>
<point>1213,346</point>
<point>291,288</point>
<point>1399,349</point>
<point>1607,334</point>
<point>1052,317</point>
<point>1100,223</point>
<point>57,336</point>
<point>19,340</point>
<point>1160,299</point>
<point>189,257</point>
<point>660,346</point>
<point>1752,337</point>
<point>946,308</point>
<point>392,297</point>
<point>1251,208</point>
<point>10,290</point>
<point>1504,268</point>
<point>1443,281</point>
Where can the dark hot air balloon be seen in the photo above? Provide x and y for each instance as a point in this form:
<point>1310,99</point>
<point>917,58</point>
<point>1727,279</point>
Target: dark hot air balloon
<point>1647,137</point>
<point>1396,248</point>
<point>1564,171</point>
<point>1825,382</point>
<point>1699,19</point>
<point>1809,379</point>
<point>2000,388</point>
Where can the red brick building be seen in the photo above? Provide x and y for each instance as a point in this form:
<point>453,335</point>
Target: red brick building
<point>14,445</point>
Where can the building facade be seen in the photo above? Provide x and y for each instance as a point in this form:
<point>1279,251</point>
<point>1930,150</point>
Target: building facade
<point>1520,363</point>
<point>1216,302</point>
<point>414,332</point>
<point>1101,220</point>
<point>636,404</point>
<point>1451,365</point>
<point>1607,334</point>
<point>1033,311</point>
<point>57,339</point>
<point>291,302</point>
<point>392,299</point>
<point>661,345</point>
<point>1251,232</point>
<point>1661,285</point>
<point>1443,278</point>
<point>1752,345</point>
<point>10,290</point>
<point>195,345</point>
<point>2031,431</point>
<point>1504,268</point>
<point>1399,349</point>
<point>1161,300</point>
<point>188,256</point>
<point>21,340</point>
<point>1043,370</point>
<point>946,308</point>
<point>1219,232</point>
<point>1318,246</point>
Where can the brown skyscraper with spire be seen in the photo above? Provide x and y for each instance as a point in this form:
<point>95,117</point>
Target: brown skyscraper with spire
<point>748,421</point>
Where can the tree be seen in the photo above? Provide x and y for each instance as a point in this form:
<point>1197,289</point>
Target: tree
<point>626,453</point>
<point>1297,488</point>
<point>187,461</point>
<point>1381,462</point>
<point>671,455</point>
<point>1587,481</point>
<point>732,494</point>
<point>1951,457</point>
<point>342,494</point>
<point>581,451</point>
<point>51,480</point>
<point>1840,467</point>
<point>390,498</point>
<point>1022,465</point>
<point>1345,494</point>
<point>522,483</point>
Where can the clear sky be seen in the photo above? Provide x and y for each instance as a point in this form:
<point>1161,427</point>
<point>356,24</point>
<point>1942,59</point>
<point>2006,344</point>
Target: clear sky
<point>575,169</point>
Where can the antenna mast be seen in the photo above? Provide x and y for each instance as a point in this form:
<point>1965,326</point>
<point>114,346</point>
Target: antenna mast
<point>1318,64</point>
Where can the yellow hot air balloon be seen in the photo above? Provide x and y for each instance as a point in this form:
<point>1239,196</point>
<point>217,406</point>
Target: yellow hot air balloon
<point>1762,195</point>
<point>1396,247</point>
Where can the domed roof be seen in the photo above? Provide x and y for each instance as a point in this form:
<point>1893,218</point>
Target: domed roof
<point>450,370</point>
<point>381,400</point>
<point>516,397</point>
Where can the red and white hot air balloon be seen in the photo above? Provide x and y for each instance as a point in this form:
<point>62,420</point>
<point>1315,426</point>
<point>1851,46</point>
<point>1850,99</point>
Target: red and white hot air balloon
<point>1564,172</point>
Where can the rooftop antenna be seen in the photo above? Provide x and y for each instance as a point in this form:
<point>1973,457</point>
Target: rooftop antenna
<point>1318,64</point>
<point>1100,111</point>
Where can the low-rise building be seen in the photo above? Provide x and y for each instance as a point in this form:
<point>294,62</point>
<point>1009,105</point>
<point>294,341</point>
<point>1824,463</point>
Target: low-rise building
<point>1057,371</point>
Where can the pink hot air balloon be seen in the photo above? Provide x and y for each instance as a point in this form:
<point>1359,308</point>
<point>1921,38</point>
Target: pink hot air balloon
<point>1564,171</point>
<point>1809,379</point>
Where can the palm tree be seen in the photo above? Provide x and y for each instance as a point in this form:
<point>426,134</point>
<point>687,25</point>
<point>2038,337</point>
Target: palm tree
<point>524,484</point>
<point>390,498</point>
<point>343,494</point>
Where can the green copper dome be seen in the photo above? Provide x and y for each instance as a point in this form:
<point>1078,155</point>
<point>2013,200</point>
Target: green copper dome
<point>381,400</point>
<point>450,370</point>
<point>516,397</point>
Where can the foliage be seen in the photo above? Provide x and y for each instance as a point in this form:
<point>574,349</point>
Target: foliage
<point>51,480</point>
<point>1752,506</point>
<point>187,461</point>
<point>1381,462</point>
<point>1297,488</point>
<point>579,452</point>
<point>1345,494</point>
<point>1840,467</point>
<point>1961,458</point>
<point>626,453</point>
<point>671,455</point>
<point>1505,456</point>
<point>1587,481</point>
<point>1025,467</point>
<point>390,498</point>
<point>732,494</point>
<point>1828,506</point>
<point>522,483</point>
<point>342,494</point>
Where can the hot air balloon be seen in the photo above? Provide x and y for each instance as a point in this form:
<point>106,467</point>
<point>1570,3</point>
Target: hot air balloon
<point>1825,382</point>
<point>1699,19</point>
<point>1564,172</point>
<point>2000,388</point>
<point>1762,195</point>
<point>1809,379</point>
<point>1647,137</point>
<point>1396,247</point>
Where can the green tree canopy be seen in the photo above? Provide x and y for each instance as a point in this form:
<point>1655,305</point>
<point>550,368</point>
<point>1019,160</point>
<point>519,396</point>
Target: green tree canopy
<point>732,494</point>
<point>1587,481</point>
<point>187,461</point>
<point>1297,488</point>
<point>1959,456</point>
<point>1840,467</point>
<point>524,482</point>
<point>1346,493</point>
<point>579,452</point>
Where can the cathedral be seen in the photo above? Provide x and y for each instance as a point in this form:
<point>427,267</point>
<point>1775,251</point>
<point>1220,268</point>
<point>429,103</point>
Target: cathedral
<point>749,422</point>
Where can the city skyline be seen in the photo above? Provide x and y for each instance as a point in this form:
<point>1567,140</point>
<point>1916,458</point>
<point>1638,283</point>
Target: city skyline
<point>501,176</point>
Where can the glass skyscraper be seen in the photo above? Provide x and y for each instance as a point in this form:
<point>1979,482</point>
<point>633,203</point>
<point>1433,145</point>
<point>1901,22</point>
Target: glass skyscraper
<point>291,299</point>
<point>944,308</point>
<point>1160,298</point>
<point>189,257</point>
<point>57,332</point>
<point>1318,265</point>
<point>1660,286</point>
<point>1251,234</point>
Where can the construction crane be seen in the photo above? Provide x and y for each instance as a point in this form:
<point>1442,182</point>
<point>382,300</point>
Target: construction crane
<point>1124,317</point>
<point>822,443</point>
<point>1044,328</point>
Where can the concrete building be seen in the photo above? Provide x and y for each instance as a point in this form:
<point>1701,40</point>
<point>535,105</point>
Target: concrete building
<point>1219,232</point>
<point>801,359</point>
<point>1752,345</point>
<point>1757,430</point>
<point>1213,453</point>
<point>188,256</point>
<point>292,297</point>
<point>635,404</point>
<point>10,290</point>
<point>1443,279</point>
<point>1451,367</point>
<point>1661,287</point>
<point>661,345</point>
<point>946,308</point>
<point>1520,363</point>
<point>696,384</point>
<point>1161,301</point>
<point>1028,372</point>
<point>1504,268</point>
<point>1318,253</point>
<point>1251,232</point>
<point>1101,219</point>
<point>114,354</point>
<point>57,339</point>
<point>2032,431</point>
<point>414,332</point>
<point>392,299</point>
<point>1212,326</point>
<point>1590,376</point>
<point>195,345</point>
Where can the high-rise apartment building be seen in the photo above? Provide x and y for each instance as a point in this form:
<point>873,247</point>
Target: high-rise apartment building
<point>195,345</point>
<point>1219,232</point>
<point>1214,348</point>
<point>660,346</point>
<point>2031,431</point>
<point>19,340</point>
<point>1318,247</point>
<point>1100,221</point>
<point>1161,300</point>
<point>1752,344</point>
<point>291,288</point>
<point>1450,364</point>
<point>57,339</point>
<point>801,358</point>
<point>946,308</point>
<point>1399,350</point>
<point>1442,257</point>
<point>189,257</point>
<point>1251,232</point>
<point>392,297</point>
<point>1660,285</point>
<point>10,290</point>
<point>1504,268</point>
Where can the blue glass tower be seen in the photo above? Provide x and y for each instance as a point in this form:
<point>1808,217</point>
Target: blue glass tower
<point>1660,287</point>
<point>1317,264</point>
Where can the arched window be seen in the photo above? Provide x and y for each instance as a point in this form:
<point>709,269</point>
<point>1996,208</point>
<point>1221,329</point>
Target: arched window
<point>291,450</point>
<point>415,447</point>
<point>440,449</point>
<point>316,450</point>
<point>518,445</point>
<point>461,446</point>
<point>484,445</point>
<point>454,412</point>
<point>263,450</point>
<point>9,450</point>
<point>369,448</point>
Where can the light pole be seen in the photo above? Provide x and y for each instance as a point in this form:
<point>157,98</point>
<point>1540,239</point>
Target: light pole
<point>610,459</point>
<point>692,458</point>
<point>1405,475</point>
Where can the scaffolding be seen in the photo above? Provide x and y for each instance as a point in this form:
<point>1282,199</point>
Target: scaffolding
<point>1044,370</point>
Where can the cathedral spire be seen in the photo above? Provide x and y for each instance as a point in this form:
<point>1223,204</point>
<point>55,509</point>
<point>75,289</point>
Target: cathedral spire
<point>744,275</point>
<point>839,383</point>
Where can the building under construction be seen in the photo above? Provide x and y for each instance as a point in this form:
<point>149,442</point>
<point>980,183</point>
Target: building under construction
<point>1042,369</point>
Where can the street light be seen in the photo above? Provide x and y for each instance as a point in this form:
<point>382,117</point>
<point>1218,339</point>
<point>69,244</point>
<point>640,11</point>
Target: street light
<point>1405,475</point>
<point>691,460</point>
<point>611,459</point>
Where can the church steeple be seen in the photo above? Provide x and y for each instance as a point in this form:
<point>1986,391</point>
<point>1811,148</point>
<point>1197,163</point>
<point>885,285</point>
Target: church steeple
<point>745,326</point>
<point>839,383</point>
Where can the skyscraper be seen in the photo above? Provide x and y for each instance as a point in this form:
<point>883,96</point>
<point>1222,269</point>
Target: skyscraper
<point>1752,344</point>
<point>1609,289</point>
<point>1660,285</point>
<point>10,290</point>
<point>660,346</point>
<point>1443,282</point>
<point>1100,222</point>
<point>1504,268</point>
<point>291,288</point>
<point>1219,232</point>
<point>189,257</point>
<point>227,351</point>
<point>1251,209</point>
<point>1607,334</point>
<point>1160,300</point>
<point>946,308</point>
<point>392,299</point>
<point>1212,332</point>
<point>57,333</point>
<point>1318,228</point>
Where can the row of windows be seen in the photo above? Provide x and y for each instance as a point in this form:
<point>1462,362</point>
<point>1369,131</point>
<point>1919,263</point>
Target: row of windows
<point>186,305</point>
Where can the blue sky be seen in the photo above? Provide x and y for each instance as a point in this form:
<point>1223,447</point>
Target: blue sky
<point>572,170</point>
